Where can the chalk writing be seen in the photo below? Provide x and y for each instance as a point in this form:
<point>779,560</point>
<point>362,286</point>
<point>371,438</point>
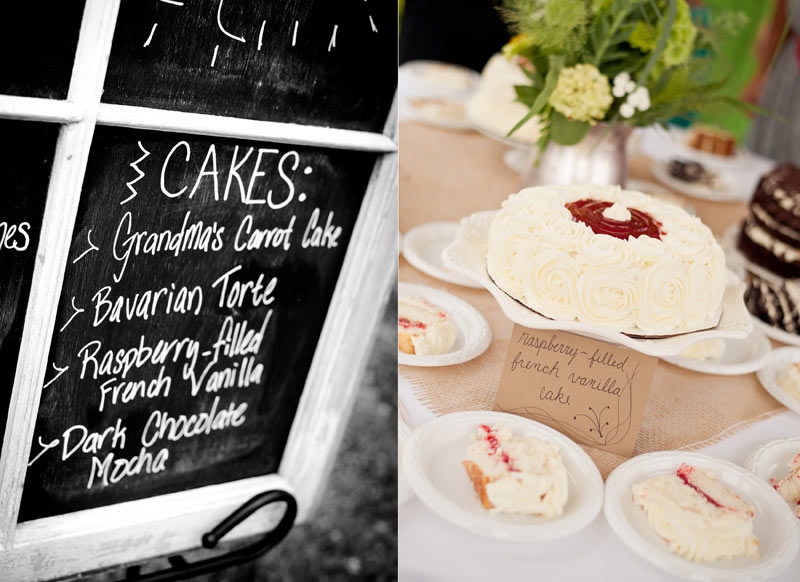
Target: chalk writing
<point>167,335</point>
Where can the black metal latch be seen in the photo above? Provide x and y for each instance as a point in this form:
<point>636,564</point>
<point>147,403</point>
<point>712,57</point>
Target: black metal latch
<point>181,569</point>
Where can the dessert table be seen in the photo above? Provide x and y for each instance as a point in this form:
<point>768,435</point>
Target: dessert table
<point>445,176</point>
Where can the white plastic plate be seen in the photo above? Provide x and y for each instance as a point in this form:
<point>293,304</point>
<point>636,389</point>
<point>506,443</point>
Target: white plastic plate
<point>768,376</point>
<point>740,356</point>
<point>778,536</point>
<point>423,246</point>
<point>432,462</point>
<point>771,461</point>
<point>473,332</point>
<point>723,193</point>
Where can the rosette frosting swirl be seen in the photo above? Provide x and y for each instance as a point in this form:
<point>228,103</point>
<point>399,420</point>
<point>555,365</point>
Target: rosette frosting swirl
<point>549,284</point>
<point>609,297</point>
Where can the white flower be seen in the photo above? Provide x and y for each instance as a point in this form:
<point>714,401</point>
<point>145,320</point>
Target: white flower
<point>627,110</point>
<point>622,79</point>
<point>640,99</point>
<point>623,84</point>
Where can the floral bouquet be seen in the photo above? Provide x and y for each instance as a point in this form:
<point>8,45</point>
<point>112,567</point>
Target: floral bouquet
<point>638,62</point>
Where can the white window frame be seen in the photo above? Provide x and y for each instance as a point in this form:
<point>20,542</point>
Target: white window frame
<point>127,532</point>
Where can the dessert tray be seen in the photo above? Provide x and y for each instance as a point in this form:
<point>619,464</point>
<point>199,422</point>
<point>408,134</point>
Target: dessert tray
<point>432,458</point>
<point>423,246</point>
<point>467,256</point>
<point>473,332</point>
<point>435,81</point>
<point>778,535</point>
<point>768,376</point>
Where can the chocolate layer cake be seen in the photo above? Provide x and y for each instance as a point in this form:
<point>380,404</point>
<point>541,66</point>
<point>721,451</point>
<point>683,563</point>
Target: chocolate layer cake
<point>770,235</point>
<point>774,304</point>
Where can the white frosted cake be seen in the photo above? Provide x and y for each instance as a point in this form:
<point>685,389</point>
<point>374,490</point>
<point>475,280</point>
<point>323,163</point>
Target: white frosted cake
<point>515,474</point>
<point>423,328</point>
<point>494,106</point>
<point>789,486</point>
<point>699,518</point>
<point>607,256</point>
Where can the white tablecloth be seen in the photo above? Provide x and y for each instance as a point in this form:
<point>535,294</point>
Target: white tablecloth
<point>432,549</point>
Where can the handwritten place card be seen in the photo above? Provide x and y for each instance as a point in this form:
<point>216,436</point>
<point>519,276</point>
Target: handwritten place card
<point>591,391</point>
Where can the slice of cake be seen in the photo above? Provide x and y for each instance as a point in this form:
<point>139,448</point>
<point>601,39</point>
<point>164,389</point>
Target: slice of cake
<point>693,173</point>
<point>789,486</point>
<point>515,474</point>
<point>699,518</point>
<point>789,380</point>
<point>705,350</point>
<point>712,141</point>
<point>422,328</point>
<point>439,110</point>
<point>775,304</point>
<point>770,235</point>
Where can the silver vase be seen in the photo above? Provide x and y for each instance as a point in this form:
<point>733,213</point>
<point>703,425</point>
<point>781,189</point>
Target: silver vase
<point>601,158</point>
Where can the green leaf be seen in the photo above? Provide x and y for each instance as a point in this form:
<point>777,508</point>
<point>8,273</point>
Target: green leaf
<point>526,94</point>
<point>521,122</point>
<point>556,63</point>
<point>666,29</point>
<point>534,76</point>
<point>565,131</point>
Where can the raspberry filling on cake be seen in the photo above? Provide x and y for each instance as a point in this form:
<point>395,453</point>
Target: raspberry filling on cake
<point>697,516</point>
<point>789,486</point>
<point>684,473</point>
<point>494,447</point>
<point>593,213</point>
<point>406,323</point>
<point>516,474</point>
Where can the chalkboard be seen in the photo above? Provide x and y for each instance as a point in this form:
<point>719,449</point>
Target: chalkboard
<point>309,62</point>
<point>199,276</point>
<point>26,156</point>
<point>38,47</point>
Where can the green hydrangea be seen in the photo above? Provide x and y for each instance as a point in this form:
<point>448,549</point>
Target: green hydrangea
<point>680,43</point>
<point>582,93</point>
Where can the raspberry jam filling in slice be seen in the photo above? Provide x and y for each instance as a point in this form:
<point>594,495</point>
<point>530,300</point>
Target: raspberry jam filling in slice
<point>494,447</point>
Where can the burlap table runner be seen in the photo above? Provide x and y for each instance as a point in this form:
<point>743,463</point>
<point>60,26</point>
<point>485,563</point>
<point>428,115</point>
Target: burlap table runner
<point>448,175</point>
